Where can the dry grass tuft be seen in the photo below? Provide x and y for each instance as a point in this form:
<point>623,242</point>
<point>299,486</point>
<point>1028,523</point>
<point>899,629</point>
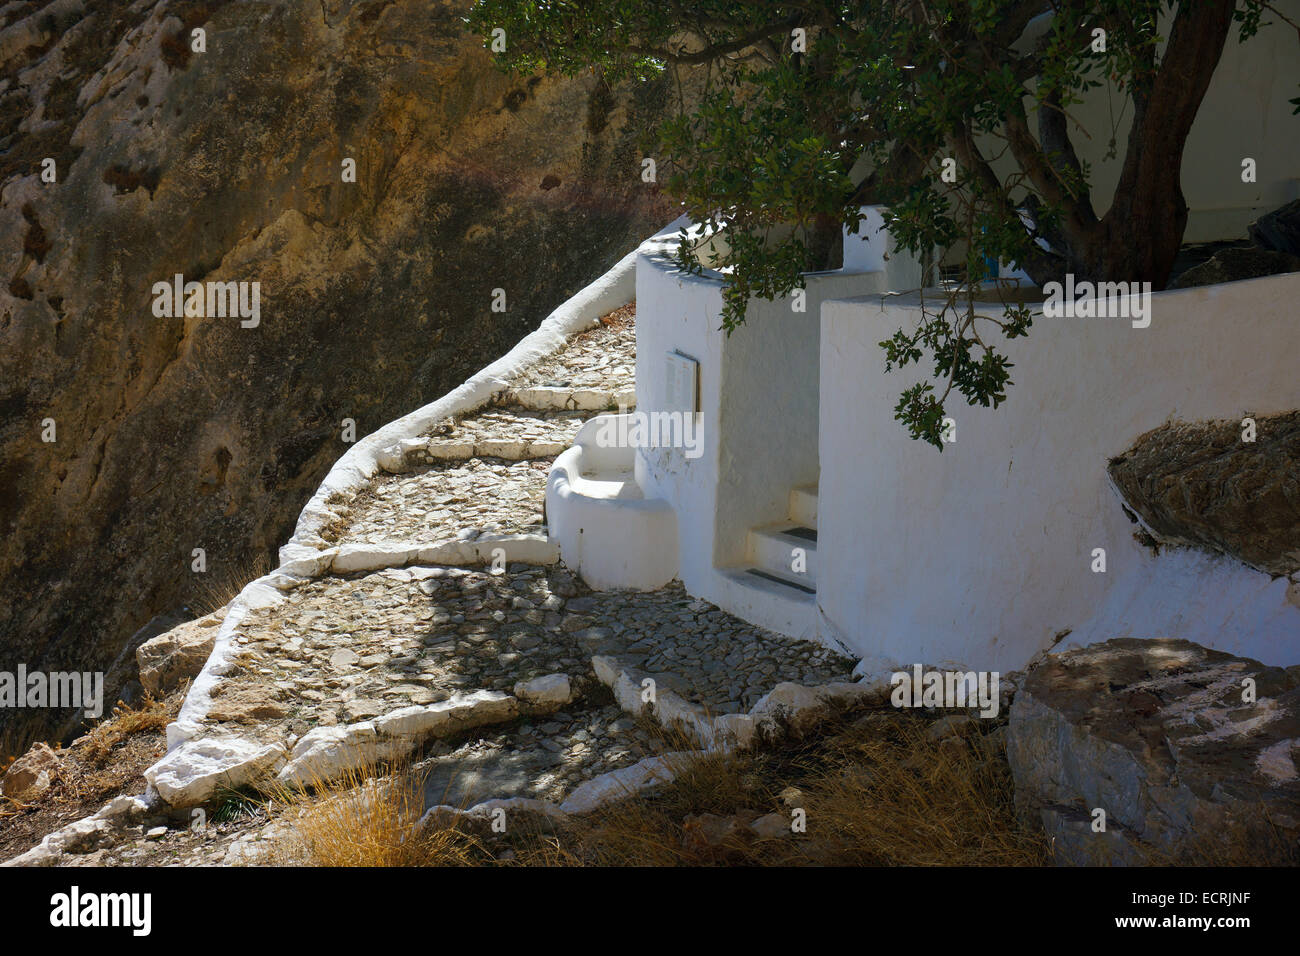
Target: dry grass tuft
<point>368,817</point>
<point>217,587</point>
<point>875,790</point>
<point>887,794</point>
<point>151,715</point>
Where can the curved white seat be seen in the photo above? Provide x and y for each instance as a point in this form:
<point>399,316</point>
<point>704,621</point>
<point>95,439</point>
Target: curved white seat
<point>607,530</point>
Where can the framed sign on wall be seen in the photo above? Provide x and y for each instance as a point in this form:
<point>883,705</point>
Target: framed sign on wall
<point>683,384</point>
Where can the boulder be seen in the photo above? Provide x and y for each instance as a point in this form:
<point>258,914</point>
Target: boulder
<point>1163,736</point>
<point>178,655</point>
<point>192,773</point>
<point>625,782</point>
<point>708,831</point>
<point>1229,265</point>
<point>480,816</point>
<point>802,707</point>
<point>1199,484</point>
<point>1279,230</point>
<point>550,691</point>
<point>83,836</point>
<point>31,774</point>
<point>772,826</point>
<point>952,725</point>
<point>86,835</point>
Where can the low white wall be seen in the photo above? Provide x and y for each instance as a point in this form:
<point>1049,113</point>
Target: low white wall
<point>981,555</point>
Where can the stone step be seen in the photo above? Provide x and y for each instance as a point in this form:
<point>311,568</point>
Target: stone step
<point>511,433</point>
<point>437,503</point>
<point>781,579</point>
<point>600,359</point>
<point>786,550</point>
<point>770,596</point>
<point>803,505</point>
<point>550,397</point>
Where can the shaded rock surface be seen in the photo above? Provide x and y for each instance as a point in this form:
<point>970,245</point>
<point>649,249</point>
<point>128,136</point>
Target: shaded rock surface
<point>1230,265</point>
<point>376,296</point>
<point>177,655</point>
<point>1280,229</point>
<point>1157,734</point>
<point>1199,484</point>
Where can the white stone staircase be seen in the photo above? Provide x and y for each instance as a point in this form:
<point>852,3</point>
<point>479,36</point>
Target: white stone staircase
<point>779,574</point>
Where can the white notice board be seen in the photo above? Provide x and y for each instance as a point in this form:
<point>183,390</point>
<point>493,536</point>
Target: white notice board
<point>683,385</point>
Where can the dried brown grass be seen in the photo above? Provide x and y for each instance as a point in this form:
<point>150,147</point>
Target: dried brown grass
<point>217,587</point>
<point>368,816</point>
<point>874,790</point>
<point>151,714</point>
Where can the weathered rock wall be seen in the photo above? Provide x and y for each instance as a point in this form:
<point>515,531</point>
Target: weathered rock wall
<point>1189,754</point>
<point>181,433</point>
<point>1199,484</point>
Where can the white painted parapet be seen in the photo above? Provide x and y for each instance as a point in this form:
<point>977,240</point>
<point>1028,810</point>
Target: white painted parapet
<point>606,528</point>
<point>983,555</point>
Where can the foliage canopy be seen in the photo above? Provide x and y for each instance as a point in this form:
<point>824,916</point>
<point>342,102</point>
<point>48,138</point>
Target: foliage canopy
<point>808,111</point>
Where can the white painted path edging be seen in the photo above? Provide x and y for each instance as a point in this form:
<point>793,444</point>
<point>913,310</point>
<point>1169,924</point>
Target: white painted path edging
<point>302,560</point>
<point>361,462</point>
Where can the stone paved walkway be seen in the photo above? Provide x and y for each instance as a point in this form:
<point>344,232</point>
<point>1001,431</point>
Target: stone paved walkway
<point>342,650</point>
<point>542,759</point>
<point>487,471</point>
<point>479,494</point>
<point>603,358</point>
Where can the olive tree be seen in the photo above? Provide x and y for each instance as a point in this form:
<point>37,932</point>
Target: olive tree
<point>955,115</point>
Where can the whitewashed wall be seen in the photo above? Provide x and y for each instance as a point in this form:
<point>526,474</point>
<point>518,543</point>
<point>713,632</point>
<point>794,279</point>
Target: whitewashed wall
<point>677,311</point>
<point>981,555</point>
<point>759,400</point>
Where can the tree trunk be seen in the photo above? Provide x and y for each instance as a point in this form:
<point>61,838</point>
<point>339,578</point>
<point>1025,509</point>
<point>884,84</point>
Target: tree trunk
<point>1139,237</point>
<point>825,244</point>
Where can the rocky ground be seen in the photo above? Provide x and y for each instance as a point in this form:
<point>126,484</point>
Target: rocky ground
<point>64,785</point>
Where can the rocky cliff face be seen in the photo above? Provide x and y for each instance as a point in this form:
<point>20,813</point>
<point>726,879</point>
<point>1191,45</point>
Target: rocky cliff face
<point>228,165</point>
